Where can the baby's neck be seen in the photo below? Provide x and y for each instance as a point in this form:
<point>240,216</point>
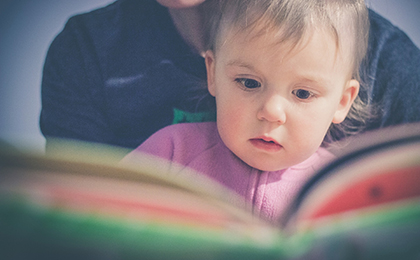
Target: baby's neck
<point>188,22</point>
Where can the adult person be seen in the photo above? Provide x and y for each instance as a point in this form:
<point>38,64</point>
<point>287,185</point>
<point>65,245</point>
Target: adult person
<point>119,73</point>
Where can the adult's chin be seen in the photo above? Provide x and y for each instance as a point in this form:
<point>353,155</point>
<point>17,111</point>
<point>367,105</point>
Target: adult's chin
<point>180,4</point>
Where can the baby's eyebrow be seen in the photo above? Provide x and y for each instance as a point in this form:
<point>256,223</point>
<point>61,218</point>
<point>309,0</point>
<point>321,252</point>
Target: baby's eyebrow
<point>239,63</point>
<point>313,79</point>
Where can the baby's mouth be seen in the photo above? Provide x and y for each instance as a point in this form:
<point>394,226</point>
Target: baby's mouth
<point>266,144</point>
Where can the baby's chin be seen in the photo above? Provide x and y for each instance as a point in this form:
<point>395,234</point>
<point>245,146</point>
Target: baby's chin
<point>268,166</point>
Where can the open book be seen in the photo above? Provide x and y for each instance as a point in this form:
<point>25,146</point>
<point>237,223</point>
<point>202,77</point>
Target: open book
<point>84,205</point>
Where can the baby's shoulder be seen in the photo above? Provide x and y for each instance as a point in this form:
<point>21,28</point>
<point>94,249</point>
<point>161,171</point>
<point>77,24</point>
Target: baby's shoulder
<point>197,134</point>
<point>188,130</point>
<point>186,140</point>
<point>193,134</point>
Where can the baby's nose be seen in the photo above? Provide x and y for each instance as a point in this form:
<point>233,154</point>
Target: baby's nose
<point>273,110</point>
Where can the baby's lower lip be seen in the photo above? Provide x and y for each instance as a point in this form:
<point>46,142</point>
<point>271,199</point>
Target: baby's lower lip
<point>265,145</point>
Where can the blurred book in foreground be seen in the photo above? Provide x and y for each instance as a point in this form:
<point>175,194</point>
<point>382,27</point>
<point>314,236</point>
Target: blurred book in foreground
<point>79,203</point>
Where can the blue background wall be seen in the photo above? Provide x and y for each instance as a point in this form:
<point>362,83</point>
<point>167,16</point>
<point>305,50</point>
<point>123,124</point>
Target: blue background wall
<point>27,28</point>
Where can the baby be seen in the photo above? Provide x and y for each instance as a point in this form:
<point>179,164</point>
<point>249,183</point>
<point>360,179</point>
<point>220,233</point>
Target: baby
<point>284,75</point>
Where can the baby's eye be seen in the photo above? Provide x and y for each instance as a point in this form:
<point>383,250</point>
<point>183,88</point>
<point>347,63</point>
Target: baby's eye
<point>248,83</point>
<point>302,94</point>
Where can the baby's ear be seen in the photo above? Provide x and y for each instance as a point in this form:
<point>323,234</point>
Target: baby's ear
<point>349,95</point>
<point>210,67</point>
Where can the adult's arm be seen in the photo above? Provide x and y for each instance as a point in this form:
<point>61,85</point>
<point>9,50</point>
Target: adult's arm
<point>71,98</point>
<point>393,74</point>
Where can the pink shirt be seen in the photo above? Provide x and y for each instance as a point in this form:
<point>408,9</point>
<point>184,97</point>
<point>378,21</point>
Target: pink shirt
<point>199,147</point>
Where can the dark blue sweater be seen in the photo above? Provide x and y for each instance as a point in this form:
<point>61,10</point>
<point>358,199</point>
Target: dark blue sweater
<point>117,74</point>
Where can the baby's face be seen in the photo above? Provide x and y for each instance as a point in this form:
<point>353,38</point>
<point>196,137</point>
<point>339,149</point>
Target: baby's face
<point>275,104</point>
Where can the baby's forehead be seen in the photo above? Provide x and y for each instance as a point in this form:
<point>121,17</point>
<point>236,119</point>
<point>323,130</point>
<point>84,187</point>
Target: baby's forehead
<point>278,44</point>
<point>346,21</point>
<point>281,36</point>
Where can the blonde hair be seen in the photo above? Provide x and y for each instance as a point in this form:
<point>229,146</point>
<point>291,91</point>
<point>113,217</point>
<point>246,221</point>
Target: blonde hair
<point>291,20</point>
